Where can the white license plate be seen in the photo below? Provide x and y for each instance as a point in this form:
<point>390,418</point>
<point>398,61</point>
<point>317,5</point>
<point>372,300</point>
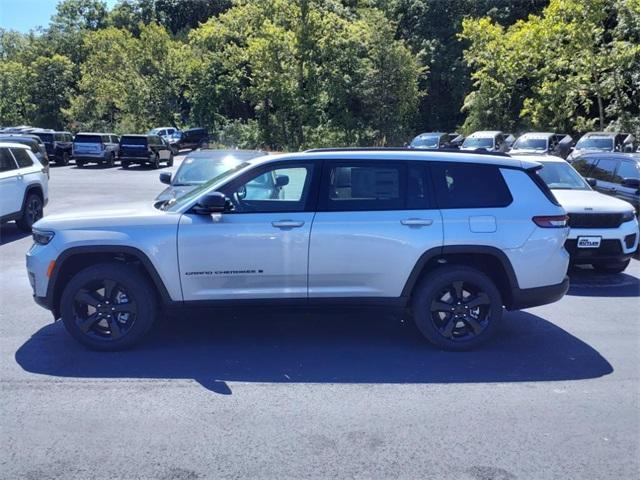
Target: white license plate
<point>589,242</point>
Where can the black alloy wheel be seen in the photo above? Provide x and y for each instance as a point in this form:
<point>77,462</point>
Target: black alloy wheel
<point>32,211</point>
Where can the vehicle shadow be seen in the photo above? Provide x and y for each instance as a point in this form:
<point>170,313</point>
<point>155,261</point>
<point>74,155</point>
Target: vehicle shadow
<point>9,232</point>
<point>143,168</point>
<point>589,283</point>
<point>315,348</point>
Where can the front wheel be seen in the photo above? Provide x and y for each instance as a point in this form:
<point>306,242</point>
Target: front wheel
<point>111,162</point>
<point>170,161</point>
<point>616,267</point>
<point>108,306</point>
<point>32,211</point>
<point>65,158</point>
<point>457,308</point>
<point>124,164</point>
<point>156,162</point>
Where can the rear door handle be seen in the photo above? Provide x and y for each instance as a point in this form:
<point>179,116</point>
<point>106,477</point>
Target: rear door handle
<point>287,224</point>
<point>417,222</point>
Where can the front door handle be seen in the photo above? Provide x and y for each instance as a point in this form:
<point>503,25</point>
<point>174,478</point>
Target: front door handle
<point>287,224</point>
<point>417,222</point>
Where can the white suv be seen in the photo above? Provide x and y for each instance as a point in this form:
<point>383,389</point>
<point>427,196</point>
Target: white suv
<point>604,229</point>
<point>450,237</point>
<point>23,185</point>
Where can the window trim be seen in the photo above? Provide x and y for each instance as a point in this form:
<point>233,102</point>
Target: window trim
<point>314,168</point>
<point>15,162</point>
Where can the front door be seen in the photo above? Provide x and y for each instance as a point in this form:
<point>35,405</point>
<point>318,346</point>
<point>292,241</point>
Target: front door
<point>257,250</point>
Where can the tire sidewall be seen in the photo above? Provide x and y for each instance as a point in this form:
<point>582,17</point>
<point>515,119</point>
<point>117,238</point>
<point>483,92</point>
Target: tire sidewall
<point>432,284</point>
<point>138,288</point>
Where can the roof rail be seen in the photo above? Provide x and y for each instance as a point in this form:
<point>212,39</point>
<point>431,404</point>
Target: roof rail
<point>479,151</point>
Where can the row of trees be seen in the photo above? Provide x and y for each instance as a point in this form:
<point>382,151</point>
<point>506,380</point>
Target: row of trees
<point>292,74</point>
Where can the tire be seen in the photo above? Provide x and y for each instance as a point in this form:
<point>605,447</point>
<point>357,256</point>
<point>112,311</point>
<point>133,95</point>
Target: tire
<point>617,267</point>
<point>112,161</point>
<point>156,162</point>
<point>170,161</point>
<point>79,164</point>
<point>442,316</point>
<point>32,211</point>
<point>108,286</point>
<point>124,164</point>
<point>65,159</point>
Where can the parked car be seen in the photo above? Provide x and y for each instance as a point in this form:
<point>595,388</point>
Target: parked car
<point>602,142</point>
<point>144,150</point>
<point>192,138</point>
<point>24,185</point>
<point>542,143</point>
<point>164,132</point>
<point>491,141</point>
<point>452,236</point>
<point>200,166</point>
<point>100,148</point>
<point>604,230</point>
<point>59,145</point>
<point>616,174</point>
<point>436,140</point>
<point>33,142</point>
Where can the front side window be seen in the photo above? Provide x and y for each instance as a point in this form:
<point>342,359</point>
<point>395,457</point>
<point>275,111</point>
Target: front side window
<point>6,161</point>
<point>274,189</point>
<point>363,186</point>
<point>22,157</point>
<point>605,170</point>
<point>468,185</point>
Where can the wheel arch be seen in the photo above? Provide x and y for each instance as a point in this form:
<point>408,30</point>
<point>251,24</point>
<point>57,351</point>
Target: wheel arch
<point>490,260</point>
<point>74,259</point>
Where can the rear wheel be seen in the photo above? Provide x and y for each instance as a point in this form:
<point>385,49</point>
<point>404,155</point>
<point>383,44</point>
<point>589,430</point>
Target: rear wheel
<point>79,163</point>
<point>616,267</point>
<point>170,161</point>
<point>65,159</point>
<point>156,162</point>
<point>457,308</point>
<point>108,306</point>
<point>111,162</point>
<point>124,164</point>
<point>32,211</point>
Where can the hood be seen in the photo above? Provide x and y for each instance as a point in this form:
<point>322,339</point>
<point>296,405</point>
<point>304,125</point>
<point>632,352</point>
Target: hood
<point>132,215</point>
<point>590,201</point>
<point>527,151</point>
<point>174,192</point>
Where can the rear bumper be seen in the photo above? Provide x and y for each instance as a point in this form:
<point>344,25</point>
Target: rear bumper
<point>534,297</point>
<point>132,159</point>
<point>85,157</point>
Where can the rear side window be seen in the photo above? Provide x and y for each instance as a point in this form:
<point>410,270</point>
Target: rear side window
<point>468,185</point>
<point>605,170</point>
<point>88,139</point>
<point>6,161</point>
<point>363,186</point>
<point>628,170</point>
<point>22,157</point>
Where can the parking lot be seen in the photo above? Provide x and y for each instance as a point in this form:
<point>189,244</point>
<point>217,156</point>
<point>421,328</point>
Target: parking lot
<point>316,394</point>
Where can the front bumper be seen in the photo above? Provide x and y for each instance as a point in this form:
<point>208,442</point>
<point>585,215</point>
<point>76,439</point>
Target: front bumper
<point>616,244</point>
<point>534,297</point>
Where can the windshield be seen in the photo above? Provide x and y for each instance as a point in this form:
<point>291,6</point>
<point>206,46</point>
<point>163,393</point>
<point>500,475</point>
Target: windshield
<point>530,144</point>
<point>592,143</point>
<point>478,142</point>
<point>175,204</point>
<point>426,141</point>
<point>45,137</point>
<point>199,169</point>
<point>562,176</point>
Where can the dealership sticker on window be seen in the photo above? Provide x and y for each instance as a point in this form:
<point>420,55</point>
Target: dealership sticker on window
<point>589,242</point>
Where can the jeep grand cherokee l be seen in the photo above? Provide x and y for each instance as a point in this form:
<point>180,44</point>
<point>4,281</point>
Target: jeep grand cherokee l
<point>452,238</point>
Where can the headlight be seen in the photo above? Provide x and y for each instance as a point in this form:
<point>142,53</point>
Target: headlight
<point>42,237</point>
<point>628,216</point>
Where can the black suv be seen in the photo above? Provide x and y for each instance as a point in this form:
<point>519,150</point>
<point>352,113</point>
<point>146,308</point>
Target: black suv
<point>59,145</point>
<point>616,174</point>
<point>144,150</point>
<point>192,138</point>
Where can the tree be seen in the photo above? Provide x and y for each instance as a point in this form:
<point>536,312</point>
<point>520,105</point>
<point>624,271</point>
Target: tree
<point>49,90</point>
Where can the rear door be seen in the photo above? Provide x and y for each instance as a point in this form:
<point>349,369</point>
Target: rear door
<point>627,177</point>
<point>374,221</point>
<point>11,184</point>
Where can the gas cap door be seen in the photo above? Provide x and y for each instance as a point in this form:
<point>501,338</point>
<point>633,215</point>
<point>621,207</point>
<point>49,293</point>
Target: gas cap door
<point>482,224</point>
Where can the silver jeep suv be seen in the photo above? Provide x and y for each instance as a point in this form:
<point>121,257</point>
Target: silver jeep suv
<point>450,238</point>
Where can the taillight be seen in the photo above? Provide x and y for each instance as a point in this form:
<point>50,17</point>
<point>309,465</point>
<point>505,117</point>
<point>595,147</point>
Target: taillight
<point>554,221</point>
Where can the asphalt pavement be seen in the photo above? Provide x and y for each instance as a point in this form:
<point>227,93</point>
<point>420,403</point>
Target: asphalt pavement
<point>329,394</point>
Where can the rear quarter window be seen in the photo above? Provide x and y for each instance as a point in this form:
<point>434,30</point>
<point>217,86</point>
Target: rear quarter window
<point>22,157</point>
<point>468,185</point>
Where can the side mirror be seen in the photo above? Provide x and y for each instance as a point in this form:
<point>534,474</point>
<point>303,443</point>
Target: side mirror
<point>631,183</point>
<point>165,177</point>
<point>282,180</point>
<point>592,182</point>
<point>214,202</point>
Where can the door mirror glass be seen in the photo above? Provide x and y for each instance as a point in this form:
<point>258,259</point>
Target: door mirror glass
<point>214,202</point>
<point>282,181</point>
<point>165,177</point>
<point>592,182</point>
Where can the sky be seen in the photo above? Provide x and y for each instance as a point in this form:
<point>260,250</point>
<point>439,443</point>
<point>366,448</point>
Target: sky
<point>24,15</point>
